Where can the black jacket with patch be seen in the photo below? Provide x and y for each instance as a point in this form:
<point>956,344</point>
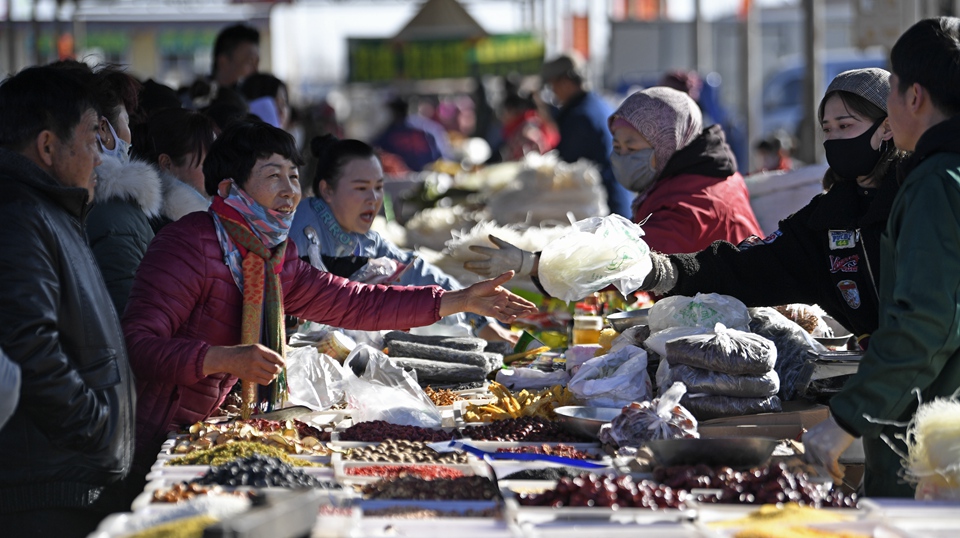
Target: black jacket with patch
<point>827,253</point>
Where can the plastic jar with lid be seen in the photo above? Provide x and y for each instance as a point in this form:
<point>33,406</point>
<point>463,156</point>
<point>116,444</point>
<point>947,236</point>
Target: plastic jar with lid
<point>586,329</point>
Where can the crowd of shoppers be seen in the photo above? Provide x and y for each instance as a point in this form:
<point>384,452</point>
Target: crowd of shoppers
<point>153,243</point>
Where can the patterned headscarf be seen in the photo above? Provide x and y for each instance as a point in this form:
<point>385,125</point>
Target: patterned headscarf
<point>668,119</point>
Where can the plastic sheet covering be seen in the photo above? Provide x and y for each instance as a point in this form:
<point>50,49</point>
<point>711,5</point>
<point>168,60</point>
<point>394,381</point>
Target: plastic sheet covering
<point>699,380</point>
<point>709,406</point>
<point>727,350</point>
<point>794,346</point>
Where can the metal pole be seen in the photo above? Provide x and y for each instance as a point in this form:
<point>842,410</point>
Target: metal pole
<point>10,30</point>
<point>702,49</point>
<point>811,150</point>
<point>752,78</point>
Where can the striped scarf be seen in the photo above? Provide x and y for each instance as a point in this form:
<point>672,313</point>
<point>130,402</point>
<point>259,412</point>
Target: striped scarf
<point>262,321</point>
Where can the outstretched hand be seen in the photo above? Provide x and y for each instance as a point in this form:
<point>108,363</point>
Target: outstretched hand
<point>487,298</point>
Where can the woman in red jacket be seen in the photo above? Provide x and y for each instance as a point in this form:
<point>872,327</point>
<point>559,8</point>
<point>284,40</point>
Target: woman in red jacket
<point>209,298</point>
<point>689,193</point>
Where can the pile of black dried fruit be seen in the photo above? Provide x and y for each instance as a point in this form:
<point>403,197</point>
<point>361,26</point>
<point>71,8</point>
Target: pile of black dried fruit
<point>547,473</point>
<point>261,472</point>
<point>590,490</point>
<point>525,429</point>
<point>379,430</point>
<point>404,452</point>
<point>441,489</point>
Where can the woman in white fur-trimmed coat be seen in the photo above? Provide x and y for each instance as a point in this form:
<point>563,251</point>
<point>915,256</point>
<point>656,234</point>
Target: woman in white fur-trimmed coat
<point>176,141</point>
<point>128,191</point>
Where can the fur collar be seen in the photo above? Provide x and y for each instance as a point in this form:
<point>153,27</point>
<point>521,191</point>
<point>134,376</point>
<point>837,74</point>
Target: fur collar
<point>180,199</point>
<point>136,181</point>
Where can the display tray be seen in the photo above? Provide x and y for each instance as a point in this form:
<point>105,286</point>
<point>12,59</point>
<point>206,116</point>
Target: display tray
<point>163,463</point>
<point>607,529</point>
<point>544,514</point>
<point>185,473</point>
<point>459,507</point>
<point>340,468</point>
<point>865,529</point>
<point>492,446</point>
<point>464,527</point>
<point>708,513</point>
<point>892,508</point>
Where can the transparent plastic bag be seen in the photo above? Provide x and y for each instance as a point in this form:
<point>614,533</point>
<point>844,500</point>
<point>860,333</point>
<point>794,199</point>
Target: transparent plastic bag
<point>614,379</point>
<point>726,350</point>
<point>660,418</point>
<point>699,380</point>
<point>794,347</point>
<point>657,342</point>
<point>702,310</point>
<point>313,379</point>
<point>379,390</point>
<point>599,252</point>
<point>710,406</point>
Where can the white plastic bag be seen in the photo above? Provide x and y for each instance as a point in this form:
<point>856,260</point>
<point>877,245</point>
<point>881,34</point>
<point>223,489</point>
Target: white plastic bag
<point>384,391</point>
<point>517,379</point>
<point>614,379</point>
<point>313,379</point>
<point>598,252</point>
<point>702,310</point>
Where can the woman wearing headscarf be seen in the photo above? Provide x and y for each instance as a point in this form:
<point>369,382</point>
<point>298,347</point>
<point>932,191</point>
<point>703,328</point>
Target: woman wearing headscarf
<point>689,193</point>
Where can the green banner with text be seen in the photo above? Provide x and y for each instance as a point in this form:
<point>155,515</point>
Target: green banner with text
<point>385,60</point>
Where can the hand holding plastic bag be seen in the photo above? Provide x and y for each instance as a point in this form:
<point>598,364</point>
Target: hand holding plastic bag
<point>381,390</point>
<point>614,379</point>
<point>599,252</point>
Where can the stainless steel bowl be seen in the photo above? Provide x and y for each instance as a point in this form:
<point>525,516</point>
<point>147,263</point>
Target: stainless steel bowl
<point>622,321</point>
<point>739,452</point>
<point>585,420</point>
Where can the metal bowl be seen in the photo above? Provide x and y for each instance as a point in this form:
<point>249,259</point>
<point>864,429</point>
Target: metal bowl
<point>739,452</point>
<point>841,335</point>
<point>622,321</point>
<point>585,420</point>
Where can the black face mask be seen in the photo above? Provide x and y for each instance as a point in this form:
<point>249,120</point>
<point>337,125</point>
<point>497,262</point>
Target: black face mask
<point>853,157</point>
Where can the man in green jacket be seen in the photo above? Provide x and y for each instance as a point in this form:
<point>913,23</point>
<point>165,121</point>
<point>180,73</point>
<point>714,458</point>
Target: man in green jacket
<point>917,344</point>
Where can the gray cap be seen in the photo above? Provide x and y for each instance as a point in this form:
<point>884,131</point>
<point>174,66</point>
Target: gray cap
<point>568,66</point>
<point>872,83</point>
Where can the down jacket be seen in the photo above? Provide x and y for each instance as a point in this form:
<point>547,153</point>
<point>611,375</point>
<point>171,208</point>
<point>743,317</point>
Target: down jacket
<point>128,196</point>
<point>71,435</point>
<point>184,300</point>
<point>700,198</point>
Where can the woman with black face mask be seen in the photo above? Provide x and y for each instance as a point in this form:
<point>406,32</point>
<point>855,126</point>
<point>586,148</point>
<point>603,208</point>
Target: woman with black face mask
<point>827,253</point>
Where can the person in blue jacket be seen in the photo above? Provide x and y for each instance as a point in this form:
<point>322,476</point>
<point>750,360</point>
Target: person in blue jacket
<point>582,121</point>
<point>332,229</point>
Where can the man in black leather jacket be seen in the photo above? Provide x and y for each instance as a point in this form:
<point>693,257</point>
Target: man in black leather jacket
<point>68,447</point>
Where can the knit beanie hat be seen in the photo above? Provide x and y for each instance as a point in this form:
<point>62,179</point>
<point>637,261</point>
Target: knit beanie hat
<point>668,119</point>
<point>872,83</point>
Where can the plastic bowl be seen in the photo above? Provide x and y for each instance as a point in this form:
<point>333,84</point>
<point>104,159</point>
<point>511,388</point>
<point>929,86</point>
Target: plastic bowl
<point>585,420</point>
<point>622,321</point>
<point>739,452</point>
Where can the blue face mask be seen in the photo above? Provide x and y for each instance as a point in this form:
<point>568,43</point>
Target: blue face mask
<point>634,170</point>
<point>121,149</point>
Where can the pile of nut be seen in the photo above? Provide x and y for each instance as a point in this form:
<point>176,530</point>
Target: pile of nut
<point>403,452</point>
<point>442,397</point>
<point>564,451</point>
<point>291,436</point>
<point>188,490</point>
<point>441,489</point>
<point>378,430</point>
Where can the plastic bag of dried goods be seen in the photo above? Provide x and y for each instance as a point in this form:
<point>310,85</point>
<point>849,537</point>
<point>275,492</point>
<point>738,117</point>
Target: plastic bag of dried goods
<point>702,310</point>
<point>614,379</point>
<point>708,406</point>
<point>703,381</point>
<point>726,350</point>
<point>660,418</point>
<point>598,252</point>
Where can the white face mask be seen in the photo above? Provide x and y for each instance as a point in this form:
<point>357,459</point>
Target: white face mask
<point>120,151</point>
<point>634,170</point>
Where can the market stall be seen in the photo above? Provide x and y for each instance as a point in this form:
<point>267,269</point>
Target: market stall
<point>566,433</point>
